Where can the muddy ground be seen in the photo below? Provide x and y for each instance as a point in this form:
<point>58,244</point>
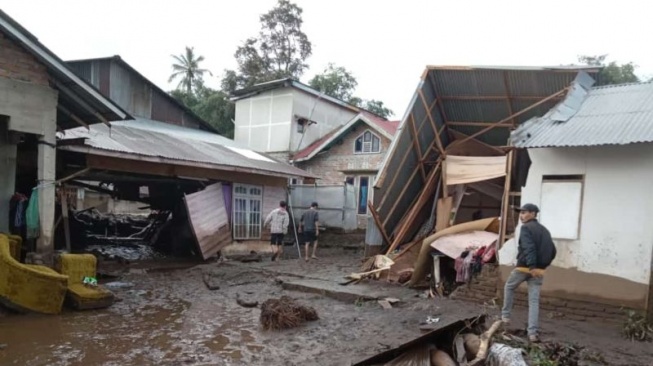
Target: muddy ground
<point>167,316</point>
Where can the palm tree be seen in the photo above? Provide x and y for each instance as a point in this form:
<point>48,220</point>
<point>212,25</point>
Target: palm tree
<point>187,67</point>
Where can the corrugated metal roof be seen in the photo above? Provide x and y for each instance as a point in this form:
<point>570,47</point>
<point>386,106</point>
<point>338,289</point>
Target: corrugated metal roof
<point>147,138</point>
<point>608,115</point>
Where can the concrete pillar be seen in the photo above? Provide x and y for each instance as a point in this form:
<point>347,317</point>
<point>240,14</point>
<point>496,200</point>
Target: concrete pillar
<point>47,162</point>
<point>8,153</point>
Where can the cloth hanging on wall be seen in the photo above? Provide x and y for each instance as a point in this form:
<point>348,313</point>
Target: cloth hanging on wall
<point>469,169</point>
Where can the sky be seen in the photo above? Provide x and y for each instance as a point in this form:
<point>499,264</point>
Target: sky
<point>386,45</point>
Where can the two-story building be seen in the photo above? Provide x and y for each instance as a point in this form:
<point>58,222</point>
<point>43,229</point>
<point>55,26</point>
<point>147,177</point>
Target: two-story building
<point>332,139</point>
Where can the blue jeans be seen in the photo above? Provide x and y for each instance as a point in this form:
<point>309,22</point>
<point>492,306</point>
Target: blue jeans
<point>534,284</point>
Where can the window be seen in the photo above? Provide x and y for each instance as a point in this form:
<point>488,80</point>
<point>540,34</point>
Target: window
<point>367,143</point>
<point>247,211</point>
<point>350,180</point>
<point>561,203</point>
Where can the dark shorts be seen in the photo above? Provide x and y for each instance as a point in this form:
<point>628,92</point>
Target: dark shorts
<point>309,237</point>
<point>276,239</point>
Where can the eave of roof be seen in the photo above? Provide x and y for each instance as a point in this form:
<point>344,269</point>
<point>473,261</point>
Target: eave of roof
<point>316,147</point>
<point>292,83</point>
<point>83,95</point>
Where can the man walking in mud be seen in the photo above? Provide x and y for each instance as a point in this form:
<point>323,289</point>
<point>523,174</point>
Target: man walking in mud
<point>278,220</point>
<point>536,251</point>
<point>309,227</point>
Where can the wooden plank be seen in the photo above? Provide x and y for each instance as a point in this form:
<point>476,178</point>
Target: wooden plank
<point>209,219</point>
<point>443,213</point>
<point>399,197</point>
<point>417,147</point>
<point>492,97</point>
<point>438,142</point>
<point>73,176</point>
<point>64,214</point>
<point>476,124</point>
<point>377,221</point>
<point>514,115</point>
<point>424,197</point>
<point>506,200</point>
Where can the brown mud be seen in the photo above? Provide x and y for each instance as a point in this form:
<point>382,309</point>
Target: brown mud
<point>167,316</point>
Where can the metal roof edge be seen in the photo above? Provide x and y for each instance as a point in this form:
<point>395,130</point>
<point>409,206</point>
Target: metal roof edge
<point>134,156</point>
<point>35,47</point>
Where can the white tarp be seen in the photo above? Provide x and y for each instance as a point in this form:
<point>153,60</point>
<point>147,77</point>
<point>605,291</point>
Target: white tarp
<point>455,244</point>
<point>469,169</point>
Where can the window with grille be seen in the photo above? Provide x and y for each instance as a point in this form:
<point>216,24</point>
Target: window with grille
<point>367,143</point>
<point>247,204</point>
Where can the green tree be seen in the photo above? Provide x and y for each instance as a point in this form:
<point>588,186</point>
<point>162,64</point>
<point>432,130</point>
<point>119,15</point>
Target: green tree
<point>377,107</point>
<point>611,73</point>
<point>335,81</point>
<point>279,51</point>
<point>187,70</point>
<point>211,105</point>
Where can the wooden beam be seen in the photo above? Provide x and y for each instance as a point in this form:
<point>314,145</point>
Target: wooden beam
<point>477,124</point>
<point>438,142</point>
<point>506,200</point>
<point>417,147</point>
<point>396,201</point>
<point>73,176</point>
<point>424,197</point>
<point>64,214</point>
<point>492,97</point>
<point>377,221</point>
<point>72,116</point>
<point>495,124</point>
<point>509,98</point>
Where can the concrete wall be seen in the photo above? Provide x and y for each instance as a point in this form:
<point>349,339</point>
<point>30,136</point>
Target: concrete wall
<point>266,122</point>
<point>610,261</point>
<point>328,116</point>
<point>263,122</point>
<point>28,105</point>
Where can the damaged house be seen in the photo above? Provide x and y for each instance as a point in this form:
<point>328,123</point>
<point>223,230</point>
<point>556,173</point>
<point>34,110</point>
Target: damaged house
<point>592,161</point>
<point>40,96</point>
<point>213,189</point>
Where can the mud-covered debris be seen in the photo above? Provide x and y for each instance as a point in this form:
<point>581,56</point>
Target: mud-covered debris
<point>211,281</point>
<point>245,303</point>
<point>3,346</point>
<point>285,313</point>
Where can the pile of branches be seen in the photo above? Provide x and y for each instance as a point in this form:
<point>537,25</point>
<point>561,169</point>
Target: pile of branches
<point>285,313</point>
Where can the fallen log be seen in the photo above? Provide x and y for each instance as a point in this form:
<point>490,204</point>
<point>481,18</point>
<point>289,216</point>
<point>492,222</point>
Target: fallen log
<point>484,346</point>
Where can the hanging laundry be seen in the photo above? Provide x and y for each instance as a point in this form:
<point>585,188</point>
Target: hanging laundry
<point>32,216</point>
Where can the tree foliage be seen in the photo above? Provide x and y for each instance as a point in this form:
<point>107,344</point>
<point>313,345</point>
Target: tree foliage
<point>335,81</point>
<point>279,51</point>
<point>187,70</point>
<point>611,73</point>
<point>377,107</point>
<point>211,105</point>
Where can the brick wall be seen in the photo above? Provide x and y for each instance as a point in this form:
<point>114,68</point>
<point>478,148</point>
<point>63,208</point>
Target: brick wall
<point>481,289</point>
<point>340,157</point>
<point>486,287</point>
<point>17,64</point>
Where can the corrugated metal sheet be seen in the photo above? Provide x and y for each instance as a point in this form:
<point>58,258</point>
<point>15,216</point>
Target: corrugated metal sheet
<point>149,138</point>
<point>482,95</point>
<point>608,115</point>
<point>209,219</point>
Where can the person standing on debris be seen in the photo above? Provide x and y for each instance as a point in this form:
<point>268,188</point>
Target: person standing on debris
<point>278,220</point>
<point>309,227</point>
<point>535,253</point>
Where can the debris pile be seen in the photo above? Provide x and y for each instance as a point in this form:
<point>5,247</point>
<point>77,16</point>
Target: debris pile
<point>285,313</point>
<point>637,328</point>
<point>467,343</point>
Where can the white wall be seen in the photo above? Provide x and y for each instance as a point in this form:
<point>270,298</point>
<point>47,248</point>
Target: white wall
<point>328,116</point>
<point>263,122</point>
<point>616,225</point>
<point>266,122</point>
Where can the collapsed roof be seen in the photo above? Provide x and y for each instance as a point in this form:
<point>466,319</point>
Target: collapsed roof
<point>454,107</point>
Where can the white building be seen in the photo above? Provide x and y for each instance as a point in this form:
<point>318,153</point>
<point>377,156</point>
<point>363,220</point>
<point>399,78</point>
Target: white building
<point>591,174</point>
<point>285,116</point>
